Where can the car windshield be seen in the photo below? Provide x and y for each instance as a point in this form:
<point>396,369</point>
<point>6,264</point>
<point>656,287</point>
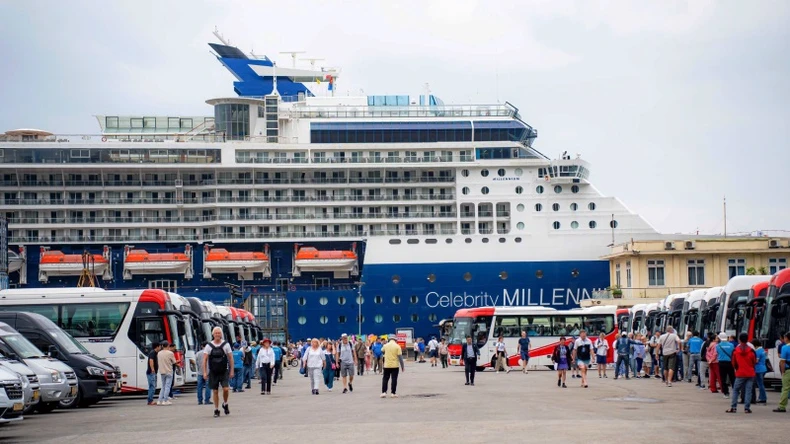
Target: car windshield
<point>67,342</point>
<point>22,347</point>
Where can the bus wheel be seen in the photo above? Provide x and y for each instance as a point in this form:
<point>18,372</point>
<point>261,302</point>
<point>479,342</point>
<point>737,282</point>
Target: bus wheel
<point>479,369</point>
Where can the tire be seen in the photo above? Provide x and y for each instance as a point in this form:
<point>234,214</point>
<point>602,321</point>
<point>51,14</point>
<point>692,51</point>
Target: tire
<point>294,363</point>
<point>84,403</point>
<point>46,407</point>
<point>480,369</point>
<point>73,402</point>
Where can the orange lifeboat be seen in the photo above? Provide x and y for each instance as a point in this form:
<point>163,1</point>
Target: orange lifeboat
<point>311,259</point>
<point>57,263</point>
<point>138,261</point>
<point>220,260</point>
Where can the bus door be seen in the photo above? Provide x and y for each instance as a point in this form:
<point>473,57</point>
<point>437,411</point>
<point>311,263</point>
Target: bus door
<point>480,332</point>
<point>150,332</point>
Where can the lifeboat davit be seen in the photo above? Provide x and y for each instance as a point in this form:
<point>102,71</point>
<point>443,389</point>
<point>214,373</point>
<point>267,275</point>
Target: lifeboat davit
<point>138,261</point>
<point>57,263</point>
<point>243,263</point>
<point>311,259</point>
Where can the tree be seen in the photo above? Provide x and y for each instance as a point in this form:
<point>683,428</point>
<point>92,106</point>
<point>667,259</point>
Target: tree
<point>763,270</point>
<point>751,271</point>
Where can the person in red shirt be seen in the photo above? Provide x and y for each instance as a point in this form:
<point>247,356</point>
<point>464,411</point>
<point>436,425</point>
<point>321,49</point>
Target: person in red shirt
<point>743,359</point>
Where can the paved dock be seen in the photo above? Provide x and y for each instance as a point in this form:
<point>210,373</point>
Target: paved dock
<point>434,405</point>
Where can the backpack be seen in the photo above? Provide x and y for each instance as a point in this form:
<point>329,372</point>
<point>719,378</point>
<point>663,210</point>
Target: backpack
<point>217,359</point>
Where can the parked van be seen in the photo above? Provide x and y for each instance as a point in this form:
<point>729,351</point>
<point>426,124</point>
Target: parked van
<point>29,381</point>
<point>97,378</point>
<point>58,381</point>
<point>12,397</point>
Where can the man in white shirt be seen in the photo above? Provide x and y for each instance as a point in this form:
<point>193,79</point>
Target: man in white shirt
<point>501,355</point>
<point>345,358</point>
<point>218,364</point>
<point>433,350</point>
<point>582,354</point>
<point>670,345</point>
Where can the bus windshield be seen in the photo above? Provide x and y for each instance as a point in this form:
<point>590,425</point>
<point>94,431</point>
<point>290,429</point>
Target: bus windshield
<point>173,322</point>
<point>736,297</point>
<point>68,343</point>
<point>462,327</point>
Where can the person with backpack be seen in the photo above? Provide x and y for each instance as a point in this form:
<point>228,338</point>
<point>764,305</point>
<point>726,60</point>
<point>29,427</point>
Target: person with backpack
<point>218,368</point>
<point>743,360</point>
<point>724,350</point>
<point>238,369</point>
<point>561,358</point>
<point>278,361</point>
<point>359,351</point>
<point>265,366</point>
<point>345,358</point>
<point>581,355</point>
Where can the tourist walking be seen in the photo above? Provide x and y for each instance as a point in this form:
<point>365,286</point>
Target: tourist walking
<point>345,356</point>
<point>167,360</point>
<point>501,355</point>
<point>523,350</point>
<point>393,359</point>
<point>712,356</point>
<point>744,360</point>
<point>760,369</point>
<point>601,355</point>
<point>469,354</point>
<point>152,372</point>
<point>443,352</point>
<point>623,348</point>
<point>278,362</point>
<point>203,389</point>
<point>314,362</point>
<point>377,356</point>
<point>581,354</point>
<point>694,344</point>
<point>218,368</point>
<point>359,352</point>
<point>638,348</point>
<point>247,368</point>
<point>238,368</point>
<point>561,357</point>
<point>669,343</point>
<point>330,366</point>
<point>784,370</point>
<point>433,351</point>
<point>265,366</point>
<point>724,349</point>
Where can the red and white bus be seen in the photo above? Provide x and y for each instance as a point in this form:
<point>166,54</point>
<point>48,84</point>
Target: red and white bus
<point>772,318</point>
<point>745,321</point>
<point>121,326</point>
<point>543,325</point>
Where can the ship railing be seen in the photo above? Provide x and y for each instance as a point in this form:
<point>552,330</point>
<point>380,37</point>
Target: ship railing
<point>641,292</point>
<point>109,138</point>
<point>349,111</point>
<point>503,214</point>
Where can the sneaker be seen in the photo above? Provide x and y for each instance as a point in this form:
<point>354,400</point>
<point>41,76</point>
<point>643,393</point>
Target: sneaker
<point>152,403</point>
<point>393,395</point>
<point>263,393</point>
<point>467,383</point>
<point>316,392</point>
<point>473,384</point>
<point>167,403</point>
<point>241,391</point>
<point>216,413</point>
<point>350,387</point>
<point>726,396</point>
<point>200,402</point>
<point>345,390</point>
<point>599,376</point>
<point>558,382</point>
<point>564,386</point>
<point>329,389</point>
<point>226,408</point>
<point>605,377</point>
<point>383,395</point>
<point>158,402</point>
<point>779,410</point>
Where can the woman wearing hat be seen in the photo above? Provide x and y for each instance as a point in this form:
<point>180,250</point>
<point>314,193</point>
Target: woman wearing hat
<point>264,365</point>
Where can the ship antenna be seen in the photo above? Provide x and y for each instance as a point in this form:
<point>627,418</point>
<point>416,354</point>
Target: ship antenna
<point>219,36</point>
<point>293,55</point>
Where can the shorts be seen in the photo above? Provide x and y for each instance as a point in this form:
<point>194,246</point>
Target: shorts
<point>215,380</point>
<point>600,360</point>
<point>670,361</point>
<point>525,356</point>
<point>582,362</point>
<point>433,353</point>
<point>346,369</point>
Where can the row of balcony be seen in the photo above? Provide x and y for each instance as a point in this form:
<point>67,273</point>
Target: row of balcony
<point>341,160</point>
<point>212,182</point>
<point>228,199</point>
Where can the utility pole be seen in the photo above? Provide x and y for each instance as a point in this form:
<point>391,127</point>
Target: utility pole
<point>725,217</point>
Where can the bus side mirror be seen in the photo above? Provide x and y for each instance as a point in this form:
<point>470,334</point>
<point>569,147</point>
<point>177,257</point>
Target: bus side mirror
<point>53,352</point>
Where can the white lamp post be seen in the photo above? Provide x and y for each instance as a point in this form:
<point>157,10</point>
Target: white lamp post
<point>359,305</point>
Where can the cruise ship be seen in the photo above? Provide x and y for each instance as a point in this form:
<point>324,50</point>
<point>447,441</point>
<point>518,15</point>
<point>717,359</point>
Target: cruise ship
<point>358,213</point>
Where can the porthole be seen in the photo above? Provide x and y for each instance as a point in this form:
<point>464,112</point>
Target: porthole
<point>432,317</point>
<point>520,225</point>
<point>575,273</point>
<point>502,240</point>
<point>574,225</point>
<point>485,240</point>
<point>394,241</point>
<point>539,274</point>
<point>360,300</point>
<point>361,319</point>
<point>413,299</point>
<point>556,225</point>
<point>302,320</point>
<point>591,206</point>
<point>520,207</point>
<point>574,206</point>
<point>465,190</point>
<point>341,300</point>
<point>468,240</point>
<point>448,241</point>
<point>395,279</point>
<point>395,318</point>
<point>592,224</point>
<point>501,172</point>
<point>431,277</point>
<point>518,240</point>
<point>465,173</point>
<point>539,189</point>
<point>301,301</point>
<point>467,276</point>
<point>503,275</point>
<point>518,172</point>
<point>378,319</point>
<point>412,241</point>
<point>484,173</point>
<point>557,189</point>
<point>415,317</point>
<point>378,299</point>
<point>323,301</point>
<point>555,207</point>
<point>613,224</point>
<point>396,300</point>
<point>519,190</point>
<point>341,319</point>
<point>323,319</point>
<point>575,189</point>
<point>484,190</point>
<point>538,207</point>
<point>430,241</point>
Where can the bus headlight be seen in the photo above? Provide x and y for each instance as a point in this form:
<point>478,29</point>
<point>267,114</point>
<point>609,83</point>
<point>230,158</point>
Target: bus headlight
<point>57,377</point>
<point>94,371</point>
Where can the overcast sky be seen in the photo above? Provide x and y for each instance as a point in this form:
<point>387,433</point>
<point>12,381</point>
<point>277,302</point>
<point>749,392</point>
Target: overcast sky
<point>676,104</point>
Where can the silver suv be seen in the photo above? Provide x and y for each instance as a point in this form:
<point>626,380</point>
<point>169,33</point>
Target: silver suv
<point>29,381</point>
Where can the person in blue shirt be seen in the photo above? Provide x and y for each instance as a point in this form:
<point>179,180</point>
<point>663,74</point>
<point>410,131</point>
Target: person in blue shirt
<point>784,369</point>
<point>238,365</point>
<point>695,348</point>
<point>760,369</point>
<point>377,355</point>
<point>724,349</point>
<point>278,361</point>
<point>421,346</point>
<point>254,347</point>
<point>304,349</point>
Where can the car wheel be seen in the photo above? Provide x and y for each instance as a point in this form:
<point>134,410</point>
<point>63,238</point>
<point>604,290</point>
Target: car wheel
<point>83,403</point>
<point>46,407</point>
<point>70,403</point>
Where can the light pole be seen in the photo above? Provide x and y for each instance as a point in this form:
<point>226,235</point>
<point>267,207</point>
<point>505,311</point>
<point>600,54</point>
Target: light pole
<point>359,305</point>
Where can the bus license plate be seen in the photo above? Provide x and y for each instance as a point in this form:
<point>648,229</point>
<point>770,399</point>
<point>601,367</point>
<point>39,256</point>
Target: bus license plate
<point>36,394</point>
<point>453,362</point>
<point>74,391</point>
<point>19,406</point>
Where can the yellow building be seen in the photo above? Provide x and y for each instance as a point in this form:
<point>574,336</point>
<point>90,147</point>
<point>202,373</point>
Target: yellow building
<point>657,268</point>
